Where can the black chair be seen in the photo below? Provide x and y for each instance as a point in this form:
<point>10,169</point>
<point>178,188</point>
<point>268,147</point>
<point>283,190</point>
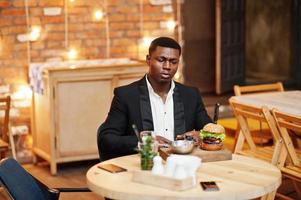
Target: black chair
<point>19,184</point>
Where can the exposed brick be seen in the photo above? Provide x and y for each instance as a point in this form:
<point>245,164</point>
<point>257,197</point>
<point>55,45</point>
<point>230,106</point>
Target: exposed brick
<point>72,36</point>
<point>5,21</point>
<point>38,45</point>
<point>117,34</point>
<point>14,29</point>
<point>122,42</point>
<point>14,63</point>
<point>83,3</point>
<point>155,17</point>
<point>114,2</point>
<point>76,27</point>
<point>37,59</point>
<point>133,17</point>
<point>21,54</point>
<point>13,12</point>
<point>131,33</point>
<point>52,52</point>
<point>117,17</point>
<point>20,3</point>
<point>151,25</point>
<point>78,10</point>
<point>15,76</point>
<point>95,42</point>
<point>127,9</point>
<point>36,11</point>
<point>4,3</point>
<point>53,19</point>
<point>89,51</point>
<point>76,19</point>
<point>121,26</point>
<point>91,35</point>
<point>75,43</point>
<point>95,26</point>
<point>116,50</point>
<point>20,21</point>
<point>152,9</point>
<point>55,44</point>
<point>20,47</point>
<point>55,36</point>
<point>34,54</point>
<point>86,34</point>
<point>44,3</point>
<point>54,27</point>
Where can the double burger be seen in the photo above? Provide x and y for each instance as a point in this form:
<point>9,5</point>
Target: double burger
<point>212,137</point>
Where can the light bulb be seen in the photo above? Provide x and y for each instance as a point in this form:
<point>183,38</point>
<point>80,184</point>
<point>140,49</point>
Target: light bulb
<point>146,41</point>
<point>72,54</point>
<point>171,24</point>
<point>35,33</point>
<point>98,15</point>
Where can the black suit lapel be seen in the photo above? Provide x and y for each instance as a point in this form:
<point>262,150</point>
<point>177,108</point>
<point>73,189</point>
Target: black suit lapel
<point>179,122</point>
<point>145,107</point>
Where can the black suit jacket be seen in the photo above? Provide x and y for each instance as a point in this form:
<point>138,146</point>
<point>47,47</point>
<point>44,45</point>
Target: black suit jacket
<point>131,105</point>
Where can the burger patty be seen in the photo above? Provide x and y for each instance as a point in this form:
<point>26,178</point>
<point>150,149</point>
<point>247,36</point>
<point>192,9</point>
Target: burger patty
<point>211,140</point>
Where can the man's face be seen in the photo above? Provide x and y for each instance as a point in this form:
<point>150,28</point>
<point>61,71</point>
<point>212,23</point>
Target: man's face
<point>163,64</point>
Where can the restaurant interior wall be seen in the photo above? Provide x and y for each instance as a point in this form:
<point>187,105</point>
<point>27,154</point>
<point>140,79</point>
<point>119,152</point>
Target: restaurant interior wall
<point>269,40</point>
<point>83,33</point>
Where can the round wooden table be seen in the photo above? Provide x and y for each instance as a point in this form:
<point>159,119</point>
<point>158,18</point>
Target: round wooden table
<point>240,178</point>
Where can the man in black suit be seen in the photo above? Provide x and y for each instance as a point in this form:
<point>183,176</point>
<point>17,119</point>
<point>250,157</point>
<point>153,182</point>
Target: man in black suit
<point>155,102</point>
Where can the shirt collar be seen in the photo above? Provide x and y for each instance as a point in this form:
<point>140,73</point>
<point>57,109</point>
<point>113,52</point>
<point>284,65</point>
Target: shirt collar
<point>150,88</point>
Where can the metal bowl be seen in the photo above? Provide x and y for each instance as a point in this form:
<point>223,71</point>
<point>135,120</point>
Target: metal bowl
<point>182,146</point>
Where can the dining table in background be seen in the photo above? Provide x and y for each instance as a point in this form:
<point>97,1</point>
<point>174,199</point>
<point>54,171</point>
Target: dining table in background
<point>240,178</point>
<point>287,101</point>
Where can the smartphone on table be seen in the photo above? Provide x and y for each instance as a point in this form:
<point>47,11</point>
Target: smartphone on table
<point>209,186</point>
<point>111,168</point>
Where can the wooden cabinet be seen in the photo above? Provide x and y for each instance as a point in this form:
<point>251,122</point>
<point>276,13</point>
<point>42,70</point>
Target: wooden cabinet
<point>75,102</point>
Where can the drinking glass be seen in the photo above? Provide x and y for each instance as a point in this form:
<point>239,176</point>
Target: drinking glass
<point>148,149</point>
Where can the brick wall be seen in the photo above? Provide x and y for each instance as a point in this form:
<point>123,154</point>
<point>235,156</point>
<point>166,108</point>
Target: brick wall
<point>84,33</point>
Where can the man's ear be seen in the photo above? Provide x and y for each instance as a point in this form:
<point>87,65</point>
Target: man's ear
<point>147,59</point>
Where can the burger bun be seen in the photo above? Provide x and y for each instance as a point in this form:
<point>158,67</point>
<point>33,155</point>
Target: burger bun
<point>211,147</point>
<point>214,128</point>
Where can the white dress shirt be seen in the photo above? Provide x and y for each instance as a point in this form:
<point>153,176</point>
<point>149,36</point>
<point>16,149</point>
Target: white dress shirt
<point>163,113</point>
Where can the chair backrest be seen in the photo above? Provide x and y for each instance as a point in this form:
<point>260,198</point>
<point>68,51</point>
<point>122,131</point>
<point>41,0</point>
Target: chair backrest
<point>5,107</point>
<point>20,184</point>
<point>289,124</point>
<point>244,112</point>
<point>273,87</point>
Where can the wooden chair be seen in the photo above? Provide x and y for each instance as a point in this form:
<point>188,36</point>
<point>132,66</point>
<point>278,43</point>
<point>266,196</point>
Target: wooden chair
<point>270,153</point>
<point>273,87</point>
<point>6,140</point>
<point>290,130</point>
<point>259,130</point>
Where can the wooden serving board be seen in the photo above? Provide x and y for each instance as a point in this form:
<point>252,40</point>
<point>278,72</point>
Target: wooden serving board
<point>146,177</point>
<point>207,156</point>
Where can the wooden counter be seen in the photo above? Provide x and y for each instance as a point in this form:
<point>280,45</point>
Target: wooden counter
<point>75,102</point>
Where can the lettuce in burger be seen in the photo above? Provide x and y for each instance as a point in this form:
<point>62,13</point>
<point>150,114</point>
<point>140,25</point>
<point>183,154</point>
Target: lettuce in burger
<point>212,137</point>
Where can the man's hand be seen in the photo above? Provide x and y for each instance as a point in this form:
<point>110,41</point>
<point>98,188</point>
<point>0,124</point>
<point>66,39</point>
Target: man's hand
<point>162,140</point>
<point>191,135</point>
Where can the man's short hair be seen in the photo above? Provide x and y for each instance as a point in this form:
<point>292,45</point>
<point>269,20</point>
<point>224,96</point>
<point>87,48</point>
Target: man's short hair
<point>163,42</point>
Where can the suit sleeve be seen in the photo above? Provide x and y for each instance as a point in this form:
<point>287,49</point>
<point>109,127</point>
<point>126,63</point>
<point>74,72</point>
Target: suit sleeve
<point>202,118</point>
<point>113,138</point>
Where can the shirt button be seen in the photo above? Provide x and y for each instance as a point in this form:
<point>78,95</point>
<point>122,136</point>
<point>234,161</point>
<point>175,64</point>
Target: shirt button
<point>166,129</point>
<point>165,113</point>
